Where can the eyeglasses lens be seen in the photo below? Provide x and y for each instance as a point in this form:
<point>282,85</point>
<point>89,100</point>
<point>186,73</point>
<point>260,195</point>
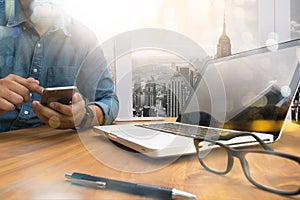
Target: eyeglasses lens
<point>213,156</point>
<point>274,171</point>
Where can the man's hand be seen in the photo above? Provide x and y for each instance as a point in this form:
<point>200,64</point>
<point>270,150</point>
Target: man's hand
<point>14,90</point>
<point>60,115</point>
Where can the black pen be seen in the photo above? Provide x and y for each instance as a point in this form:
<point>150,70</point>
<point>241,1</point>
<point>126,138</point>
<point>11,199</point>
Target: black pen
<point>132,188</point>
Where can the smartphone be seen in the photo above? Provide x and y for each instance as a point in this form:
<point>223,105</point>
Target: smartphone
<point>58,94</point>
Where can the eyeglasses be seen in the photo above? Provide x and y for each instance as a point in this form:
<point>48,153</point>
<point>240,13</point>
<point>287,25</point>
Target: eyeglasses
<point>268,170</point>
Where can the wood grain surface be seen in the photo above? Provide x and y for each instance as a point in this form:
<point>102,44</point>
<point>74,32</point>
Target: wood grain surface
<point>33,163</point>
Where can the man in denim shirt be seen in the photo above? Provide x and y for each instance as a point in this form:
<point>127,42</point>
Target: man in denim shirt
<point>44,48</point>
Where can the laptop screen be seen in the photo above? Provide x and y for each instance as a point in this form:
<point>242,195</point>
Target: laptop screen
<point>249,91</point>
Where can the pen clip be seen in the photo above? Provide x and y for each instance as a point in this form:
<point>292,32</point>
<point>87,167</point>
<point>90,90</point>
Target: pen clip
<point>97,184</point>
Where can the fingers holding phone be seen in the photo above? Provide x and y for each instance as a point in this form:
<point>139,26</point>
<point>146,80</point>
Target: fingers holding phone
<point>73,113</point>
<point>60,108</point>
<point>14,90</point>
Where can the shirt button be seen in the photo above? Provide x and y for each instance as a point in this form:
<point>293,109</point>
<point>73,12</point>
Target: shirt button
<point>24,27</point>
<point>30,94</point>
<point>35,70</point>
<point>26,112</point>
<point>39,45</point>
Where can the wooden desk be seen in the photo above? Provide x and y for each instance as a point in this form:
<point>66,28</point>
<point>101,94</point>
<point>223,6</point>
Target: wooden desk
<point>33,163</point>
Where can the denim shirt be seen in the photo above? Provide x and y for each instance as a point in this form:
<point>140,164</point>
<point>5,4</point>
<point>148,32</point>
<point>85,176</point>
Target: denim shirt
<point>68,54</point>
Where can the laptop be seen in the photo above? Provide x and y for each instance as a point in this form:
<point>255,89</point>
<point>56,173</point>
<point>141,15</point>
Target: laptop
<point>250,91</point>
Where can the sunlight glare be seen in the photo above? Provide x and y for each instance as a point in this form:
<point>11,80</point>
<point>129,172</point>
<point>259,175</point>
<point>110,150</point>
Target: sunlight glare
<point>108,18</point>
<point>239,13</point>
<point>204,6</point>
<point>170,18</point>
<point>285,91</point>
<point>247,97</point>
<point>219,5</point>
<point>272,41</point>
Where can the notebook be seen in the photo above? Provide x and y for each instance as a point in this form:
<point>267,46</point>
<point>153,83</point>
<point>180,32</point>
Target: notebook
<point>250,91</point>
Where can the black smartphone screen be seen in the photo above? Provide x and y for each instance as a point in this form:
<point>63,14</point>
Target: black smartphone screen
<point>58,94</point>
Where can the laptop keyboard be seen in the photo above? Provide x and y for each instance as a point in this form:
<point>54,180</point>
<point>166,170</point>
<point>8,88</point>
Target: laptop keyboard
<point>182,129</point>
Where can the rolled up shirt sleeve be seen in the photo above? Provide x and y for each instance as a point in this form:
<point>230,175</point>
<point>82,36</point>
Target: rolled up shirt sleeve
<point>94,83</point>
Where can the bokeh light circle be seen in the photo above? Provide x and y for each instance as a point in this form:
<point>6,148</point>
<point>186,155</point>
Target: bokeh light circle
<point>116,48</point>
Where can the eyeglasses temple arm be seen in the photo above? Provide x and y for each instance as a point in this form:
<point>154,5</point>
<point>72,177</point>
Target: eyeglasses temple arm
<point>233,135</point>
